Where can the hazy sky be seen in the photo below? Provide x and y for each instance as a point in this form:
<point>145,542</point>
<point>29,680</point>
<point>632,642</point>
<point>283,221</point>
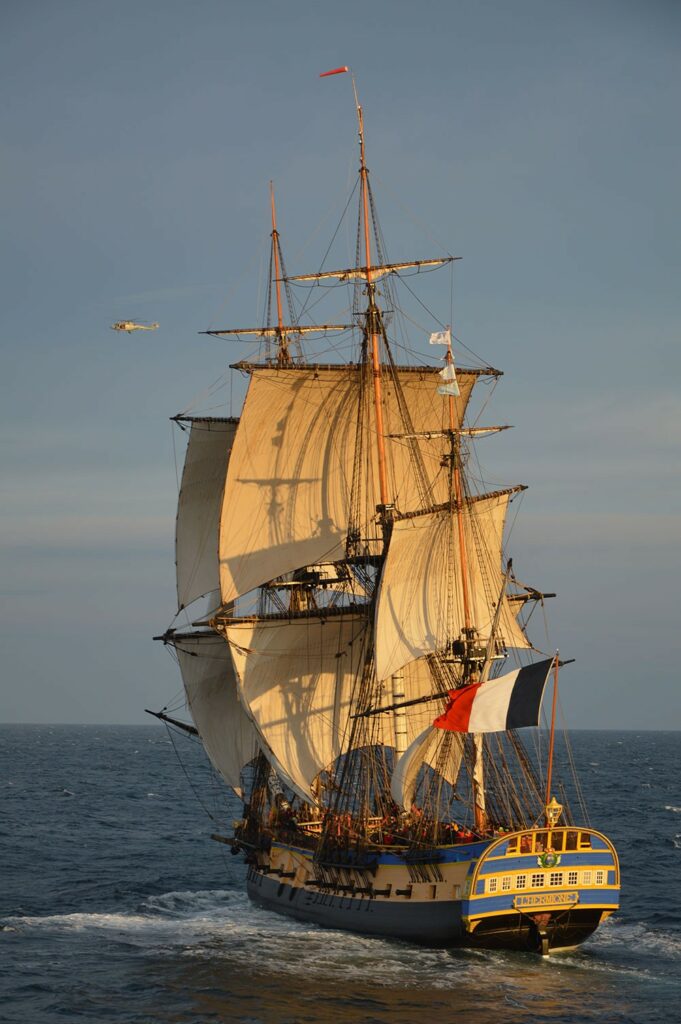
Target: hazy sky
<point>538,139</point>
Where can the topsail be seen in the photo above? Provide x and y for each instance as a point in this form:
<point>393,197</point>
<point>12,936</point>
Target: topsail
<point>420,608</point>
<point>288,492</point>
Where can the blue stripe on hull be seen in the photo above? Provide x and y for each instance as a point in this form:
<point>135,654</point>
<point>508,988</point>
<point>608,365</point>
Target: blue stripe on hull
<point>504,903</point>
<point>529,862</point>
<point>445,854</point>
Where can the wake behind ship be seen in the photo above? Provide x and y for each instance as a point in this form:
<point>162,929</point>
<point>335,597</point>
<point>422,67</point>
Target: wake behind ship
<point>364,669</point>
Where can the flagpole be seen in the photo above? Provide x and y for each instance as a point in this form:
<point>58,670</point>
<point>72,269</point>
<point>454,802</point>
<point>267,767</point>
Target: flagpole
<point>549,770</point>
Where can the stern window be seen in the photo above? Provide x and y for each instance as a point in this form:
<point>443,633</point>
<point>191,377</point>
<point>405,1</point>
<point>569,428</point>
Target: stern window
<point>556,878</point>
<point>537,881</point>
<point>572,878</point>
<point>492,885</point>
<point>521,881</point>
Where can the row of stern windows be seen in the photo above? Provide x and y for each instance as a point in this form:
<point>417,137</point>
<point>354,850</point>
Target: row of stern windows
<point>544,879</point>
<point>561,840</point>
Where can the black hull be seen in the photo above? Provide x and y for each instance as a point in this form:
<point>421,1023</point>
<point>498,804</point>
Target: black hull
<point>512,931</point>
<point>436,924</point>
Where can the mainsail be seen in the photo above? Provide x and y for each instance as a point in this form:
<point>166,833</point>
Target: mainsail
<point>199,504</point>
<point>297,677</point>
<point>288,493</point>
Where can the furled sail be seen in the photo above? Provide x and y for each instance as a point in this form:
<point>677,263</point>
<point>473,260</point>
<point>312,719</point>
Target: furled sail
<point>199,504</point>
<point>274,332</point>
<point>380,270</point>
<point>420,607</point>
<point>288,491</point>
<point>227,734</point>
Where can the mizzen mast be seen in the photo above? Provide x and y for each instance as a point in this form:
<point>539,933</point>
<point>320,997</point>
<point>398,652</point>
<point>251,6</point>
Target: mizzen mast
<point>456,493</point>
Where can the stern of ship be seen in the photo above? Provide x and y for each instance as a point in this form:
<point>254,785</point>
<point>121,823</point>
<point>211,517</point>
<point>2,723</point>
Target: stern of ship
<point>541,890</point>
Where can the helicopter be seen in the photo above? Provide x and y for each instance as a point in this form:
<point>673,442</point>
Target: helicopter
<point>132,325</point>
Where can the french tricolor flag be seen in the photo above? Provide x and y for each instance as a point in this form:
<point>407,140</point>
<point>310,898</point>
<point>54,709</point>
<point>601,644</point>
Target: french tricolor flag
<point>510,702</point>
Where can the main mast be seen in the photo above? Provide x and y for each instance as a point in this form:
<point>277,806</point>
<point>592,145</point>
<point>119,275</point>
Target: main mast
<point>372,314</point>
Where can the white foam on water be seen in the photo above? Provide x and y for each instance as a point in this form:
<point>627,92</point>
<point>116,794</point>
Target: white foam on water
<point>614,934</point>
<point>670,807</point>
<point>224,924</point>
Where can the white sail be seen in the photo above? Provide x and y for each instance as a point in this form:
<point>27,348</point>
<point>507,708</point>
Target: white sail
<point>298,678</point>
<point>199,504</point>
<point>420,605</point>
<point>425,749</point>
<point>287,496</point>
<point>226,732</point>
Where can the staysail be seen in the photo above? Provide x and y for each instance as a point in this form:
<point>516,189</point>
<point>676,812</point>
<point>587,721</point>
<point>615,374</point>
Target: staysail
<point>199,504</point>
<point>419,607</point>
<point>287,495</point>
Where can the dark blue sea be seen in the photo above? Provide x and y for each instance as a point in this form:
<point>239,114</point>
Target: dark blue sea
<point>117,906</point>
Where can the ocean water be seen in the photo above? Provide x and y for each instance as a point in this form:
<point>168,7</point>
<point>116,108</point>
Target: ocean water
<point>116,906</point>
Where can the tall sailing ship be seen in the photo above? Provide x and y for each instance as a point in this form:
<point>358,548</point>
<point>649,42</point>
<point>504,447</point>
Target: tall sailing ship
<point>363,669</point>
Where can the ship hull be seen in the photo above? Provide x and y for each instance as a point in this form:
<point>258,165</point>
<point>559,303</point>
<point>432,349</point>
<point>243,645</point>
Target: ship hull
<point>435,924</point>
<point>507,893</point>
<point>430,924</point>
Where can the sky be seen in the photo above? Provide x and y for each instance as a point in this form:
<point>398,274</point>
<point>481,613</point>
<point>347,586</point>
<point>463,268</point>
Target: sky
<point>538,139</point>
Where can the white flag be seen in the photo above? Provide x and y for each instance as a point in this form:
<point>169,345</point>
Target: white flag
<point>450,387</point>
<point>441,338</point>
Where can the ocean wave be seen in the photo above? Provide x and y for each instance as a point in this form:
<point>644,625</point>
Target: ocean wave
<point>225,925</point>
<point>670,807</point>
<point>635,936</point>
